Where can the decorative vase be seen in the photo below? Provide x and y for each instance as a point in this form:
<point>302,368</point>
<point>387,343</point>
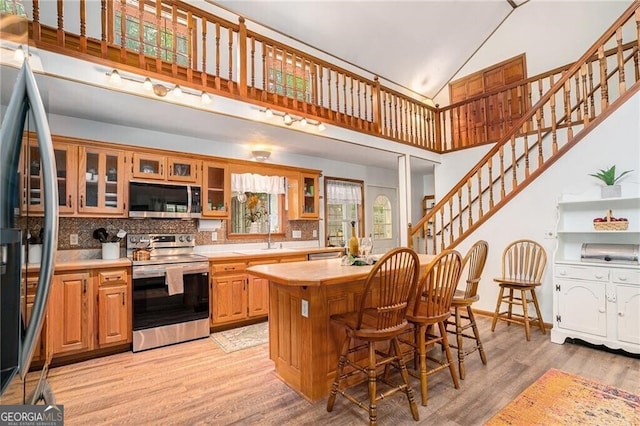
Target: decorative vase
<point>611,191</point>
<point>253,228</point>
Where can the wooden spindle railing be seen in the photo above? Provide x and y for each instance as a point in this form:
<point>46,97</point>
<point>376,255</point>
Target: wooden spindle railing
<point>534,143</point>
<point>329,92</point>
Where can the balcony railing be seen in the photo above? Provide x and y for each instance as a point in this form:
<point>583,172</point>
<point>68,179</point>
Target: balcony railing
<point>181,44</point>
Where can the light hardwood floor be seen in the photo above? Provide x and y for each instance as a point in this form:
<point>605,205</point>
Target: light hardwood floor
<point>197,383</point>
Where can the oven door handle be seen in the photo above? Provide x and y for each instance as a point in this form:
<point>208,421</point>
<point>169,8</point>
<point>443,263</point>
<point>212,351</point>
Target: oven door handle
<point>161,272</point>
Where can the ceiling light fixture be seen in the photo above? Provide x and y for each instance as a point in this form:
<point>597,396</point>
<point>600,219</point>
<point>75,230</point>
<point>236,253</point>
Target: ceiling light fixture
<point>159,89</point>
<point>290,119</point>
<point>114,77</point>
<point>19,54</point>
<point>261,156</point>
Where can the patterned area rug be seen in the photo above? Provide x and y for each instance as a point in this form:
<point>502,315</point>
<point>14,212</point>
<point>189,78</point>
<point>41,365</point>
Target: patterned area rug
<point>559,398</point>
<point>242,337</point>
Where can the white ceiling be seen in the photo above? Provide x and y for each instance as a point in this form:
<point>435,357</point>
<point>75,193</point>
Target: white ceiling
<point>418,44</point>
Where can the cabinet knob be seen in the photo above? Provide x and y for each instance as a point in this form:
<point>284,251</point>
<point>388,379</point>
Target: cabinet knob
<point>599,276</point>
<point>602,310</point>
<point>623,278</point>
<point>620,314</point>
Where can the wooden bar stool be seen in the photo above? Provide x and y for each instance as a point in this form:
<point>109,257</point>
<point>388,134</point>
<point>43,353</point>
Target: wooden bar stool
<point>464,319</point>
<point>432,307</point>
<point>523,263</point>
<point>380,317</point>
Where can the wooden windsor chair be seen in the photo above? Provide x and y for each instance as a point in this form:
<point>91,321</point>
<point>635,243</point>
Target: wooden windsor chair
<point>431,307</point>
<point>380,317</point>
<point>523,263</point>
<point>464,319</point>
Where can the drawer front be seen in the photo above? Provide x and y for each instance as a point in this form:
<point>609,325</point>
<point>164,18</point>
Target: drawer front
<point>112,277</point>
<point>625,276</point>
<point>582,272</point>
<point>224,268</point>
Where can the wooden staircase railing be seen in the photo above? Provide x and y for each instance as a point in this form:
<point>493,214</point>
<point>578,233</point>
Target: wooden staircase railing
<point>573,106</point>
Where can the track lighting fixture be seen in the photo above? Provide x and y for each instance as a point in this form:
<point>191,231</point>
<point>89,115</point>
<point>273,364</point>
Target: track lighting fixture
<point>290,119</point>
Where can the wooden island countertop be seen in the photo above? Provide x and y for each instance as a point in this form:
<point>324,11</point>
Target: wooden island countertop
<point>303,343</point>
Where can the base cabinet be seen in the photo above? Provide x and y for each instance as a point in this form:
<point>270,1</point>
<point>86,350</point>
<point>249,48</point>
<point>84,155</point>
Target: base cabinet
<point>229,298</point>
<point>89,310</point>
<point>71,313</point>
<point>114,307</point>
<point>236,295</point>
<point>600,305</point>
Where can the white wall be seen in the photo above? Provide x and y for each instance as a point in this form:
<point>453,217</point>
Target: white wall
<point>552,33</point>
<point>533,211</point>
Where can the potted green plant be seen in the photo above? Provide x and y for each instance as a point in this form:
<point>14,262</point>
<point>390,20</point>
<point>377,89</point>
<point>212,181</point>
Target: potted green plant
<point>610,180</point>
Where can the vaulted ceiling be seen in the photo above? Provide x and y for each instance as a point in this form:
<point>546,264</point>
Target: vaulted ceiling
<point>419,45</point>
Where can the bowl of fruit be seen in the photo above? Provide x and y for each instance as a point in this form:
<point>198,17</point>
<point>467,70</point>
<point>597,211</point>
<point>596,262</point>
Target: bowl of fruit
<point>610,223</point>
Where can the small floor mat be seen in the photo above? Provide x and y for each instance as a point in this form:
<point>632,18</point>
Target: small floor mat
<point>242,337</point>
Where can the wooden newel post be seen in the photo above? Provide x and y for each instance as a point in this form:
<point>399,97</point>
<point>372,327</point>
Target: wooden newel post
<point>409,236</point>
<point>377,115</point>
<point>242,66</point>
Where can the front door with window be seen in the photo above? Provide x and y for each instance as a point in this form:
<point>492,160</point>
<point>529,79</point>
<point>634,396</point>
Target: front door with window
<point>382,217</point>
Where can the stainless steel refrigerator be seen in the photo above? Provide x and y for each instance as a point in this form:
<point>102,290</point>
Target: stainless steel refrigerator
<point>18,331</point>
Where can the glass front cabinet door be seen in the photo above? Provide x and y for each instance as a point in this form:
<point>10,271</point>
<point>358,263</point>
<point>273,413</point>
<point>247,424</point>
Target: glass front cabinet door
<point>32,190</point>
<point>148,166</point>
<point>309,196</point>
<point>216,190</point>
<point>183,169</point>
<point>101,181</point>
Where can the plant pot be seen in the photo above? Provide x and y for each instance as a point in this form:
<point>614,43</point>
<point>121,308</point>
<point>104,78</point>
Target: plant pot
<point>611,191</point>
<point>253,228</point>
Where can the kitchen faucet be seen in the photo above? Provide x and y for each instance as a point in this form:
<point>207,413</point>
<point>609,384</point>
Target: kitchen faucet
<point>268,231</point>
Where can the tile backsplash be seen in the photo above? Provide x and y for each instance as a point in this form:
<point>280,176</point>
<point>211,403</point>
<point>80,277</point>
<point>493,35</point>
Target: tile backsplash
<point>84,228</point>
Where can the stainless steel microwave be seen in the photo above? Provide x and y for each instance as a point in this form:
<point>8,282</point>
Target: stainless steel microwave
<point>157,200</point>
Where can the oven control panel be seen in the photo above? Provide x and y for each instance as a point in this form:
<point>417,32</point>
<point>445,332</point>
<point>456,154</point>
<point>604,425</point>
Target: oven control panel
<point>157,241</point>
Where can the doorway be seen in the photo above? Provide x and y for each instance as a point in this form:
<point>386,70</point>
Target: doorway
<point>381,206</point>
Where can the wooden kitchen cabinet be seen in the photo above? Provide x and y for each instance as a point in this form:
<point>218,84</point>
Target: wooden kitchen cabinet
<point>114,307</point>
<point>216,190</point>
<point>159,167</point>
<point>40,351</point>
<point>303,197</point>
<point>228,292</point>
<point>31,189</point>
<point>101,182</point>
<point>258,291</point>
<point>236,295</point>
<point>71,313</point>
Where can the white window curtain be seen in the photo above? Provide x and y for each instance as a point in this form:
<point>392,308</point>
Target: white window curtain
<point>249,182</point>
<point>344,192</point>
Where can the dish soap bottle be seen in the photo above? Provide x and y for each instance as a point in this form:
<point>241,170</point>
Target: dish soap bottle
<point>353,241</point>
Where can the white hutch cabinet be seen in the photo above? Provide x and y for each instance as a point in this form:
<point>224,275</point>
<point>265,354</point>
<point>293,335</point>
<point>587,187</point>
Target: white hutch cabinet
<point>597,302</point>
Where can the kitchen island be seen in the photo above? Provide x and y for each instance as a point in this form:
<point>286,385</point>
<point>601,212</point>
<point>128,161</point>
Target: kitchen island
<point>303,343</point>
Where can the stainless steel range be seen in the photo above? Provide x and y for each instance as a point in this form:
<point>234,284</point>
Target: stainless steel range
<point>170,290</point>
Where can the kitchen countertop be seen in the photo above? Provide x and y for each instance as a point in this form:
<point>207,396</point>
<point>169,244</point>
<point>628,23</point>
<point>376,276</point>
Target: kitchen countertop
<point>264,252</point>
<point>68,265</point>
<point>83,264</point>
